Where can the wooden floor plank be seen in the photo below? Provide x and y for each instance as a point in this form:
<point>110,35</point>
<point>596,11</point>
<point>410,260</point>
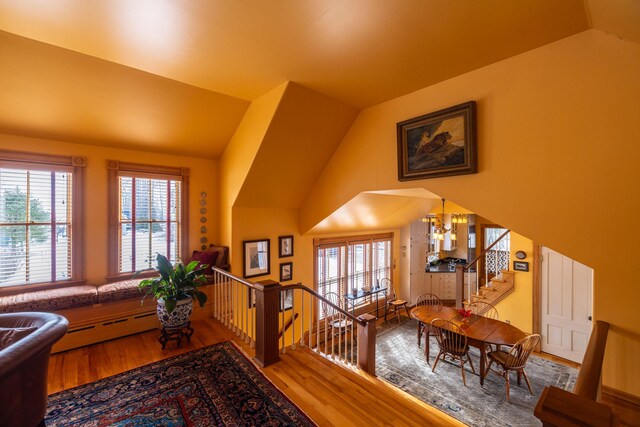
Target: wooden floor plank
<point>332,395</point>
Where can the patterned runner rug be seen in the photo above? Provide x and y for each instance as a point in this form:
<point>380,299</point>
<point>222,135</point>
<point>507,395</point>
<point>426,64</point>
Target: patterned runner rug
<point>400,362</point>
<point>212,386</point>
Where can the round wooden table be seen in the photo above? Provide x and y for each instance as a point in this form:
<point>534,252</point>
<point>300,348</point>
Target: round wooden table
<point>480,330</point>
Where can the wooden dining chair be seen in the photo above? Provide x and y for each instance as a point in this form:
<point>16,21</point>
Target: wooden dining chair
<point>335,319</point>
<point>393,302</point>
<point>514,360</point>
<point>452,341</point>
<point>484,309</point>
<point>434,302</point>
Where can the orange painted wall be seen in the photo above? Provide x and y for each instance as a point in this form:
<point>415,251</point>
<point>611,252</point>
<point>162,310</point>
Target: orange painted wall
<point>238,157</point>
<point>269,223</point>
<point>517,308</point>
<point>203,178</point>
<point>557,147</point>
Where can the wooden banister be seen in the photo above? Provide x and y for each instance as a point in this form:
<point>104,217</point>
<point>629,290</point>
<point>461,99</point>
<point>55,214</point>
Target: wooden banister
<point>267,308</point>
<point>366,339</point>
<point>560,408</point>
<point>367,344</point>
<point>588,381</point>
<point>466,267</point>
<point>357,320</point>
<point>266,323</point>
<point>460,269</point>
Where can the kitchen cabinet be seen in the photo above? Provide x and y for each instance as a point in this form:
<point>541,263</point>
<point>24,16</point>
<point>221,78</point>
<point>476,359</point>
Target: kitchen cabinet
<point>443,285</point>
<point>448,287</point>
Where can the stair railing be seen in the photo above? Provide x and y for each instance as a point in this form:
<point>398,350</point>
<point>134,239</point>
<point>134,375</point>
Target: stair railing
<point>233,304</point>
<point>461,269</point>
<point>256,313</point>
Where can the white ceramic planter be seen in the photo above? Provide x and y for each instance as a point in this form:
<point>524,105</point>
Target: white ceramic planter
<point>178,317</point>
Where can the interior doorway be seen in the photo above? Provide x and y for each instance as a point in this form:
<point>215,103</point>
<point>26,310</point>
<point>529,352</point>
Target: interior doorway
<point>566,301</point>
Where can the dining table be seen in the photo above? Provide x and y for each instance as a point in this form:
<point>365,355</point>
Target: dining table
<point>480,331</point>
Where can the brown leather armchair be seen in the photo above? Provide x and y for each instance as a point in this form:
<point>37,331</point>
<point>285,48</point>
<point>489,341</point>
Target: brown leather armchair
<point>23,367</point>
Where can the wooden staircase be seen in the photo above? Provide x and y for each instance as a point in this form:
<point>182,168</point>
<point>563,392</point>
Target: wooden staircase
<point>496,290</point>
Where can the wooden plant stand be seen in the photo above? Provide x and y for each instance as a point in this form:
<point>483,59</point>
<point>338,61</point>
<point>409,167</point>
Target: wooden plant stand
<point>175,334</point>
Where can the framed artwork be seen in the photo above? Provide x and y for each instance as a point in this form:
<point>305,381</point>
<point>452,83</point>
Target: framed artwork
<point>520,266</point>
<point>255,255</point>
<point>285,244</point>
<point>438,144</point>
<point>286,271</point>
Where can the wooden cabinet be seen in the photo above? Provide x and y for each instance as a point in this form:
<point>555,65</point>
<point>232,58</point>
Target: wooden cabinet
<point>448,288</point>
<point>442,285</point>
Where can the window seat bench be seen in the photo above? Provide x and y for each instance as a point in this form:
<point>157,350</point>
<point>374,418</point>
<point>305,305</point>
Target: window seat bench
<point>102,312</point>
<point>96,312</point>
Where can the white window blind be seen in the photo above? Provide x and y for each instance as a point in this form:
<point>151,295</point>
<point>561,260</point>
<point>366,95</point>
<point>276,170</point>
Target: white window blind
<point>149,221</point>
<point>344,264</point>
<point>35,225</point>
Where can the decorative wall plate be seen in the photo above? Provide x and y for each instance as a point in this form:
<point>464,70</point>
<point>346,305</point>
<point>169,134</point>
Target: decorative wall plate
<point>203,202</point>
<point>203,211</point>
<point>203,239</point>
<point>203,247</point>
<point>203,219</point>
<point>203,194</point>
<point>203,229</point>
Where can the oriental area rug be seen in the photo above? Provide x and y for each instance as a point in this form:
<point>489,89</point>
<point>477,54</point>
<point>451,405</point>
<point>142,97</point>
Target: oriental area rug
<point>212,386</point>
<point>402,363</point>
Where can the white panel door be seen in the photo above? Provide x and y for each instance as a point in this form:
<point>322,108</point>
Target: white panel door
<point>567,289</point>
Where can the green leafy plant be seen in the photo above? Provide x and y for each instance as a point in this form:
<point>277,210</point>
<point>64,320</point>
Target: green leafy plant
<point>175,283</point>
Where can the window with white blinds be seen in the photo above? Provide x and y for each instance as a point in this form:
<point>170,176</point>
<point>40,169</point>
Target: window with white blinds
<point>352,262</point>
<point>149,222</point>
<point>150,216</point>
<point>37,224</point>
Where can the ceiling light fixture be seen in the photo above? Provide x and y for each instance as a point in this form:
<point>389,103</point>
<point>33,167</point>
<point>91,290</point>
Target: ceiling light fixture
<point>440,230</point>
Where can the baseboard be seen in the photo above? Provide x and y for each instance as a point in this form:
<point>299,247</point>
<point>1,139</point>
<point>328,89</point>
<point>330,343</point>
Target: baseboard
<point>625,406</point>
<point>103,322</point>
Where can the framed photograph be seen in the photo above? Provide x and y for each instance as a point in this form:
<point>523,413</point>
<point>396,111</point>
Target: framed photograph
<point>520,266</point>
<point>438,144</point>
<point>286,271</point>
<point>255,255</point>
<point>285,246</point>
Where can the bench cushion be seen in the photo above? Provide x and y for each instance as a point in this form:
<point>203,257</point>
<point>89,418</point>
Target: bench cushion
<point>49,299</point>
<point>118,291</point>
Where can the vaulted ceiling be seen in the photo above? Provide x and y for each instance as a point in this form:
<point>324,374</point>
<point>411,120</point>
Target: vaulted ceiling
<point>170,76</point>
<point>177,77</point>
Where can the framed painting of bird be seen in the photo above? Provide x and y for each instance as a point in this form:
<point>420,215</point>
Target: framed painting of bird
<point>438,144</point>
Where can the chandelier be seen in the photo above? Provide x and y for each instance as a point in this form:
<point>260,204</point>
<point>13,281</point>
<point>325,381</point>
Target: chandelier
<point>437,227</point>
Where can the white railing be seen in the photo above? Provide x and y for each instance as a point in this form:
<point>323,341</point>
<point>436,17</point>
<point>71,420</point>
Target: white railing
<point>276,319</point>
<point>233,304</point>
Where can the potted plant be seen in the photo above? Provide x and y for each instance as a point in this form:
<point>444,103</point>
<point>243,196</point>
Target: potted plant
<point>175,290</point>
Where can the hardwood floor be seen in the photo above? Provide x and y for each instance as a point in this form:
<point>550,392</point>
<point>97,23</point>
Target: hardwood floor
<point>330,394</point>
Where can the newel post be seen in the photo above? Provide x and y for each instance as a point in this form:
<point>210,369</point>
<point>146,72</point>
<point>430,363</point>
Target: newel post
<point>367,344</point>
<point>267,307</point>
<point>460,285</point>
